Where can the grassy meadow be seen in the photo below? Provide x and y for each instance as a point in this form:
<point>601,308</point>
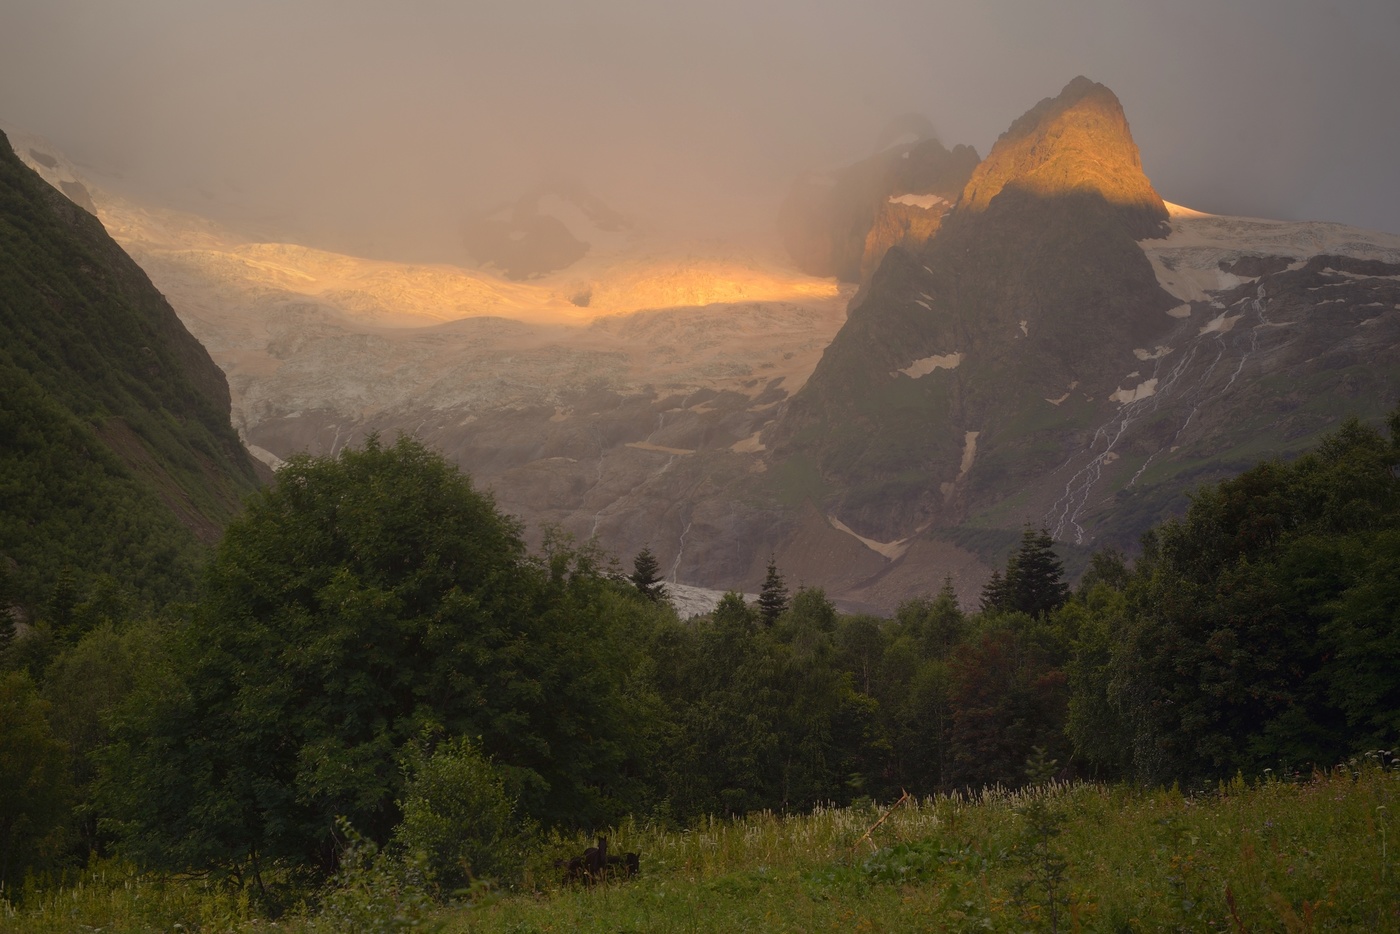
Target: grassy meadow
<point>1306,855</point>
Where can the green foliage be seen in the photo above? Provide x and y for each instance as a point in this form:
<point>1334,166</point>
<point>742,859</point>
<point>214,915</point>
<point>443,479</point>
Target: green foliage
<point>1260,628</point>
<point>458,816</point>
<point>373,892</point>
<point>1008,695</point>
<point>757,717</point>
<point>83,685</point>
<point>1034,580</point>
<point>34,776</point>
<point>773,597</point>
<point>1291,854</point>
<point>646,576</point>
<point>360,600</point>
<point>1042,891</point>
<point>1108,567</point>
<point>938,624</point>
<point>1094,723</point>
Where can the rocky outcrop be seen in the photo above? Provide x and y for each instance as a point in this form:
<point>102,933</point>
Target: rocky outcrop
<point>841,224</point>
<point>1034,283</point>
<point>545,230</point>
<point>1075,144</point>
<point>1068,352</point>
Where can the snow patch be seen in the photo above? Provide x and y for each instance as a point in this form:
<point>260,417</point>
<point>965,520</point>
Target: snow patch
<point>1071,389</point>
<point>1177,210</point>
<point>749,445</point>
<point>1180,311</point>
<point>1187,263</point>
<point>657,448</point>
<point>1157,353</point>
<point>890,550</point>
<point>927,365</point>
<point>1224,322</point>
<point>598,233</point>
<point>927,202</point>
<point>1143,390</point>
<point>1025,332</point>
<point>969,452</point>
<point>264,455</point>
<point>692,601</point>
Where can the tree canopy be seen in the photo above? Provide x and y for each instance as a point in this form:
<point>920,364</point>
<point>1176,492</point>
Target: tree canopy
<point>364,599</point>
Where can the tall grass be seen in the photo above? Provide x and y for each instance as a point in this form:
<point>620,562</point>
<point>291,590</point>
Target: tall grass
<point>1301,855</point>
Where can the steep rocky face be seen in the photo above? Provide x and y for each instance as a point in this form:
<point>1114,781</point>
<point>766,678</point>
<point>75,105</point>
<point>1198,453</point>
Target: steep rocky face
<point>1067,352</point>
<point>114,422</point>
<point>843,223</point>
<point>1035,284</point>
<point>1077,143</point>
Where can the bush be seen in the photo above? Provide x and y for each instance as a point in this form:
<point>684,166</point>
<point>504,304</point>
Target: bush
<point>374,893</point>
<point>458,816</point>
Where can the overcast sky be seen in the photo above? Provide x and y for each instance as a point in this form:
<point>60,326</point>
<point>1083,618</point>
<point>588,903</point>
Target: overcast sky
<point>378,126</point>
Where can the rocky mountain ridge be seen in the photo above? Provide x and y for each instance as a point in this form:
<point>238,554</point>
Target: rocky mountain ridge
<point>1051,357</point>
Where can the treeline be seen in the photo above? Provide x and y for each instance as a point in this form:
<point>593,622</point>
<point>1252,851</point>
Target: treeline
<point>373,648</point>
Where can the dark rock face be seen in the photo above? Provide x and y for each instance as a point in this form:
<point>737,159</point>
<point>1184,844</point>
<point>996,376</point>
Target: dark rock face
<point>1033,284</point>
<point>1253,266</point>
<point>1075,144</point>
<point>523,240</point>
<point>524,247</point>
<point>843,224</point>
<point>1029,365</point>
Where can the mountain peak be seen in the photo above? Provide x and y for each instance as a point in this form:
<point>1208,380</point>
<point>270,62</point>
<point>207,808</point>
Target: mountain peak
<point>1076,143</point>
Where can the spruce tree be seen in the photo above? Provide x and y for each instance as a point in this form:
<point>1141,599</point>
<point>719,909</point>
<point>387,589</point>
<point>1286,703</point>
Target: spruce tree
<point>945,624</point>
<point>1035,575</point>
<point>646,576</point>
<point>995,595</point>
<point>773,598</point>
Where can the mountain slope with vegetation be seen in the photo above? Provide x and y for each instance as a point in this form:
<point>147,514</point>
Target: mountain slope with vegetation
<point>117,458</point>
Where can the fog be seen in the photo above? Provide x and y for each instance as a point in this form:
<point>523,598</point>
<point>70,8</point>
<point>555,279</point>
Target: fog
<point>376,127</point>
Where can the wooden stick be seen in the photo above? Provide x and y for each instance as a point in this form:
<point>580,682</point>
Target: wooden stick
<point>902,798</point>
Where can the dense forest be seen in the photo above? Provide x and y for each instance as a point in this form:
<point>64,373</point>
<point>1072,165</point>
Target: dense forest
<point>371,654</point>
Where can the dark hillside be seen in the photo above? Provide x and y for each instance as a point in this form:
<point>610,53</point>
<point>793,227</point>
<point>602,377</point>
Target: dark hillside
<point>116,452</point>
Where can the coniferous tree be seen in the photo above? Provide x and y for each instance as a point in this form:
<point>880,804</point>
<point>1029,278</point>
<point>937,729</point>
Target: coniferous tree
<point>995,595</point>
<point>773,598</point>
<point>946,625</point>
<point>646,576</point>
<point>1035,576</point>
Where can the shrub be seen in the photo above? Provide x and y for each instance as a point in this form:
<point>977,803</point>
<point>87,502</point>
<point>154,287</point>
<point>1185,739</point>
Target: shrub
<point>458,815</point>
